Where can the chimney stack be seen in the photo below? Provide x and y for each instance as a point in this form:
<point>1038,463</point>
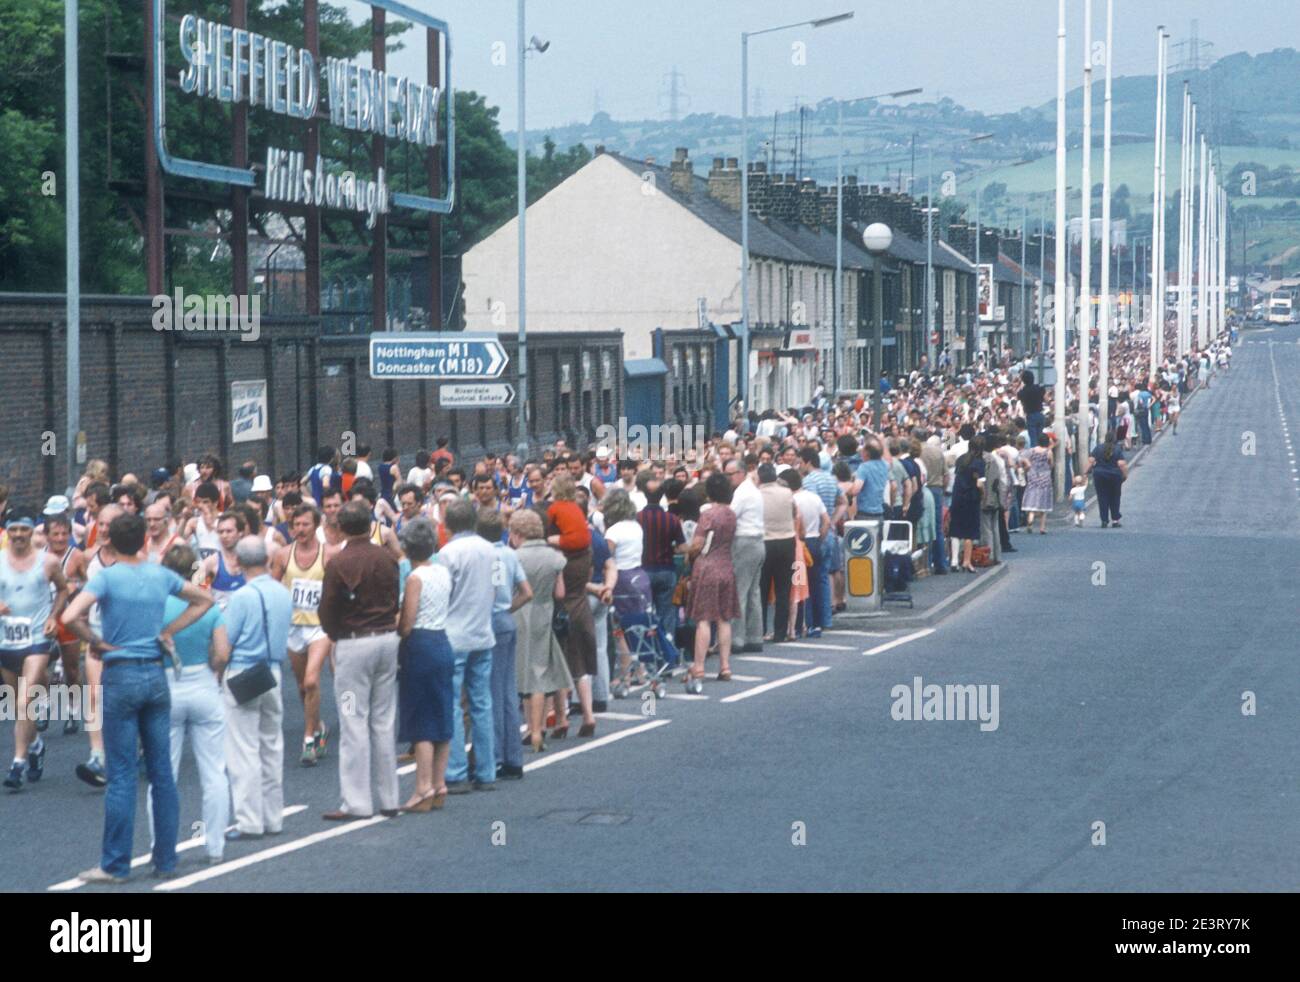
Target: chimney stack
<point>760,192</point>
<point>724,183</point>
<point>681,173</point>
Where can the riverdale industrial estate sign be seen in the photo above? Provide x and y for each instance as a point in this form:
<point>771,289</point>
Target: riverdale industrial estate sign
<point>234,65</point>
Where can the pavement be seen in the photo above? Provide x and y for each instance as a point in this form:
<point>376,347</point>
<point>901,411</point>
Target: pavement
<point>1143,739</point>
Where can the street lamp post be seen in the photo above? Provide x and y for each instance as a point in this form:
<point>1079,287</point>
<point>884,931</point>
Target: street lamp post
<point>837,320</point>
<point>72,183</point>
<point>1059,313</point>
<point>521,175</point>
<point>742,373</point>
<point>1103,331</point>
<point>877,237</point>
<point>1083,419</point>
<point>929,257</point>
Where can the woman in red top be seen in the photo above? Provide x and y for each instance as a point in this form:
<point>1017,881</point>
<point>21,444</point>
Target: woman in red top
<point>568,532</point>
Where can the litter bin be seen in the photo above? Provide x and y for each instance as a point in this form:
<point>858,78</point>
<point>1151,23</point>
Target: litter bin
<point>862,579</point>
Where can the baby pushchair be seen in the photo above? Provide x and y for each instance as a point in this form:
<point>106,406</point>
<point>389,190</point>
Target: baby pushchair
<point>649,656</point>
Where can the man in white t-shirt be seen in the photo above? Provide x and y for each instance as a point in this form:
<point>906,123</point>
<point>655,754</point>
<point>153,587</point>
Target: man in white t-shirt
<point>747,553</point>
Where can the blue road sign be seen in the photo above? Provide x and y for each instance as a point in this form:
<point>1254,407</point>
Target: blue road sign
<point>858,542</point>
<point>436,356</point>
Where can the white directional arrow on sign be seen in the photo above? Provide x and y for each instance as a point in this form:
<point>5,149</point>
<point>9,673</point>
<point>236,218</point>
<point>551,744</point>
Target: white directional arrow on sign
<point>476,395</point>
<point>496,362</point>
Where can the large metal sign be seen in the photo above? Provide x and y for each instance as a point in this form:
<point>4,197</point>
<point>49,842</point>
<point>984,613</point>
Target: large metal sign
<point>234,65</point>
<point>436,356</point>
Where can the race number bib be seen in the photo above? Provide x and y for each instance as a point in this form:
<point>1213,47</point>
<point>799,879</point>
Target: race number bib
<point>306,594</point>
<point>16,632</point>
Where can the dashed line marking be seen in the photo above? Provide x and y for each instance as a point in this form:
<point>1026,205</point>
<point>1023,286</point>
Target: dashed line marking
<point>773,660</point>
<point>776,683</point>
<point>905,639</point>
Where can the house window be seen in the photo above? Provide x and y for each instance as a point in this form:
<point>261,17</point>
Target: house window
<point>586,368</point>
<point>566,377</point>
<point>704,362</point>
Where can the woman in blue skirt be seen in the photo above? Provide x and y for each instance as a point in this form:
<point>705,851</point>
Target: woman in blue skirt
<point>425,665</point>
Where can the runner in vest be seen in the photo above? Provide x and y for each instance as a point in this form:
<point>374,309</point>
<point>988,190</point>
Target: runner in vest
<point>28,623</point>
<point>220,572</point>
<point>329,530</point>
<point>201,530</point>
<point>92,772</point>
<point>252,513</point>
<point>96,497</point>
<point>210,473</point>
<point>72,561</point>
<point>606,468</point>
<point>301,568</point>
<point>380,534</point>
<point>322,475</point>
<point>161,535</point>
<point>410,500</point>
<point>517,490</point>
<point>390,475</point>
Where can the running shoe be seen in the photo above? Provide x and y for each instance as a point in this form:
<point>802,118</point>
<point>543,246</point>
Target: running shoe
<point>309,753</point>
<point>71,727</point>
<point>322,740</point>
<point>36,761</point>
<point>92,772</point>
<point>14,782</point>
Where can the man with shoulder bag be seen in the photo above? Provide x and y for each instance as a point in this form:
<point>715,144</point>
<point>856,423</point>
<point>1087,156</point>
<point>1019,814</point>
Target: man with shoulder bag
<point>257,624</point>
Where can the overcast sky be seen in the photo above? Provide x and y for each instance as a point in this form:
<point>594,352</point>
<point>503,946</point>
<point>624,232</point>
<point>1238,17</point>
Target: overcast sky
<point>992,55</point>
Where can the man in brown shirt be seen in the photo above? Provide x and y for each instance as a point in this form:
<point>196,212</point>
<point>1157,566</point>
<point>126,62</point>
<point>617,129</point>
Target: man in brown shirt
<point>358,609</point>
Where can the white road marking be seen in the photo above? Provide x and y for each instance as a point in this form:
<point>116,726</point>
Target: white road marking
<point>180,883</point>
<point>593,744</point>
<point>820,647</point>
<point>858,634</point>
<point>773,660</point>
<point>776,683</point>
<point>906,638</point>
<point>191,843</point>
<point>735,677</point>
<point>688,696</point>
<point>624,717</point>
<point>283,849</point>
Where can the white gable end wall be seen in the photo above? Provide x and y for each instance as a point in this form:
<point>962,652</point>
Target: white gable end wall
<point>605,252</point>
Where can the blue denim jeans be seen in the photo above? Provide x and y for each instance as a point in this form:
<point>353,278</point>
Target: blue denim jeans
<point>938,555</point>
<point>473,668</point>
<point>1034,423</point>
<point>818,608</point>
<point>137,712</point>
<point>505,692</point>
<point>662,584</point>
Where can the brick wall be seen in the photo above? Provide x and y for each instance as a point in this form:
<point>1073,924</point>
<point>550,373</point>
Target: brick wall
<point>150,396</point>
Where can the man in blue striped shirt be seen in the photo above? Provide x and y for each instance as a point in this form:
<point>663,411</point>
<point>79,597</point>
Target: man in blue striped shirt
<point>825,548</point>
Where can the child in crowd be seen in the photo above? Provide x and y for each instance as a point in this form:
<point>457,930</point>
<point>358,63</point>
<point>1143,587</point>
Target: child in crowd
<point>1077,494</point>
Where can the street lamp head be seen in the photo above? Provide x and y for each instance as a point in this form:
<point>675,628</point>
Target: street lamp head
<point>877,237</point>
<point>827,21</point>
